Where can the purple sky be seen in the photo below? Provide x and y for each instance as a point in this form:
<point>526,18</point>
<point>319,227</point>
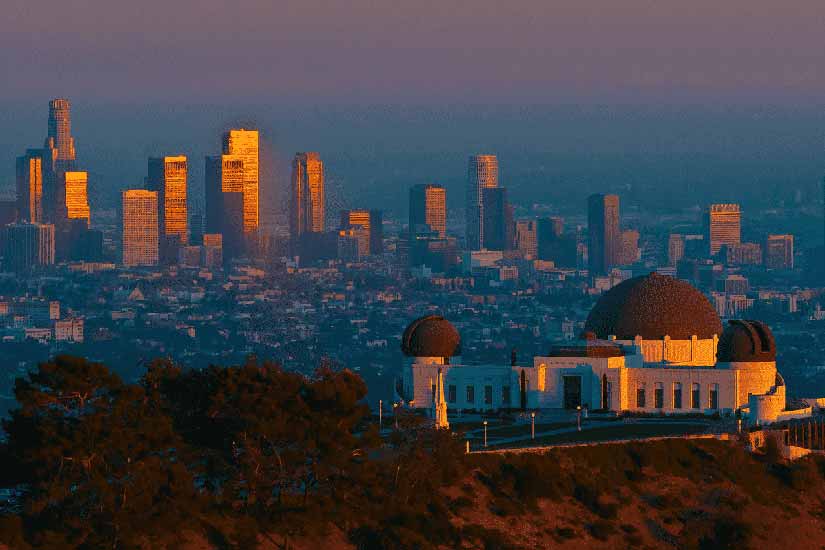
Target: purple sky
<point>419,52</point>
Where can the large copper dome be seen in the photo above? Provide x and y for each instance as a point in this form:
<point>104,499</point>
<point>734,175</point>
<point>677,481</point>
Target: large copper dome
<point>431,336</point>
<point>746,341</point>
<point>653,306</point>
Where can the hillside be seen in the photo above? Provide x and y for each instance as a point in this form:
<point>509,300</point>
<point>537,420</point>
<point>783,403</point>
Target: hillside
<point>252,456</point>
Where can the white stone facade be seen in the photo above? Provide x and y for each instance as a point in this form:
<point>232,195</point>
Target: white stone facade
<point>620,383</point>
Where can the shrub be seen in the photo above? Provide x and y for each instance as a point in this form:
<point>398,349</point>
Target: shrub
<point>601,529</point>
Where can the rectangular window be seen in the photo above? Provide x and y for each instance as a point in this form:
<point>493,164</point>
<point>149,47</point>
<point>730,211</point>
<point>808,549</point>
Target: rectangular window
<point>713,396</point>
<point>677,395</point>
<point>505,395</point>
<point>488,395</point>
<point>694,397</point>
<point>432,392</point>
<point>451,393</point>
<point>640,397</point>
<point>471,394</point>
<point>659,396</point>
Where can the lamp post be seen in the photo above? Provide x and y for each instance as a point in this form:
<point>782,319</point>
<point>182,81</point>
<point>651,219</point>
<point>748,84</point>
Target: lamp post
<point>485,433</point>
<point>532,425</point>
<point>395,414</point>
<point>380,415</point>
<point>579,418</point>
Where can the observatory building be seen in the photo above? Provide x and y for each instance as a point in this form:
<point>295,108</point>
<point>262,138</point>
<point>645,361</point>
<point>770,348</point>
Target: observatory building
<point>651,344</point>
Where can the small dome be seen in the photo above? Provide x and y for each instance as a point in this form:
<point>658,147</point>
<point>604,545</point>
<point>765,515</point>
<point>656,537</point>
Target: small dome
<point>431,336</point>
<point>653,306</point>
<point>746,342</point>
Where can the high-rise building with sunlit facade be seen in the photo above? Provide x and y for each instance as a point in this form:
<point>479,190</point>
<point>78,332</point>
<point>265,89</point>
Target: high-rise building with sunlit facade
<point>77,199</point>
<point>244,144</point>
<point>604,233</point>
<point>482,173</point>
<point>307,204</point>
<point>140,228</point>
<point>428,209</point>
<point>723,226</point>
<point>168,177</point>
<point>370,223</point>
<point>30,186</point>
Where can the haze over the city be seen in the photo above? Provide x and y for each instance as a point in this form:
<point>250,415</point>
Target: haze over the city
<point>667,103</point>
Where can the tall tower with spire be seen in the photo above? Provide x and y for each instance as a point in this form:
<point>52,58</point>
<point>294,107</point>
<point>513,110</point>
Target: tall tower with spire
<point>59,159</point>
<point>440,404</point>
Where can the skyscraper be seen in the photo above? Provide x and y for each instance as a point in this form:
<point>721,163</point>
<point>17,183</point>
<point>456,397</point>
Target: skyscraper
<point>482,173</point>
<point>245,144</point>
<point>722,226</point>
<point>604,236</point>
<point>675,248</point>
<point>526,238</point>
<point>28,246</point>
<point>140,228</point>
<point>496,220</point>
<point>60,130</point>
<point>307,204</point>
<point>554,245</point>
<point>76,199</point>
<point>30,186</point>
<point>370,222</point>
<point>428,209</point>
<point>778,253</point>
<point>629,252</point>
<point>224,184</point>
<point>168,177</point>
<point>58,158</point>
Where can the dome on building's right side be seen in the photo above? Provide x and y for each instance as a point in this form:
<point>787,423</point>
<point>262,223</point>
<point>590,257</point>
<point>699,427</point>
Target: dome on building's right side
<point>746,342</point>
<point>653,306</point>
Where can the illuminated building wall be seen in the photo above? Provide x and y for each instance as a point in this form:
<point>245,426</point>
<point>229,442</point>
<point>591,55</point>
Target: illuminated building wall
<point>140,228</point>
<point>370,222</point>
<point>428,207</point>
<point>307,205</point>
<point>722,226</point>
<point>30,186</point>
<point>244,144</point>
<point>168,177</point>
<point>77,200</point>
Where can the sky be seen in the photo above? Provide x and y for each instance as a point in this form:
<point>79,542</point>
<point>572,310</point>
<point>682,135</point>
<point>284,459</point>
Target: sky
<point>739,81</point>
<point>362,51</point>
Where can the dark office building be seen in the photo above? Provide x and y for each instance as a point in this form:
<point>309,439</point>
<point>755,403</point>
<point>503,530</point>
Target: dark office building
<point>604,234</point>
<point>497,219</point>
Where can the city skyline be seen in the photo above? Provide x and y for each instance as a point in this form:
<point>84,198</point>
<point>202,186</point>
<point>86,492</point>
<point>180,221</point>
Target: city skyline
<point>306,274</point>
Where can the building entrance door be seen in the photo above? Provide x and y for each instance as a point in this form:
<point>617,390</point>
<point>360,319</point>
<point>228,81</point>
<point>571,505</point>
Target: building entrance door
<point>572,391</point>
